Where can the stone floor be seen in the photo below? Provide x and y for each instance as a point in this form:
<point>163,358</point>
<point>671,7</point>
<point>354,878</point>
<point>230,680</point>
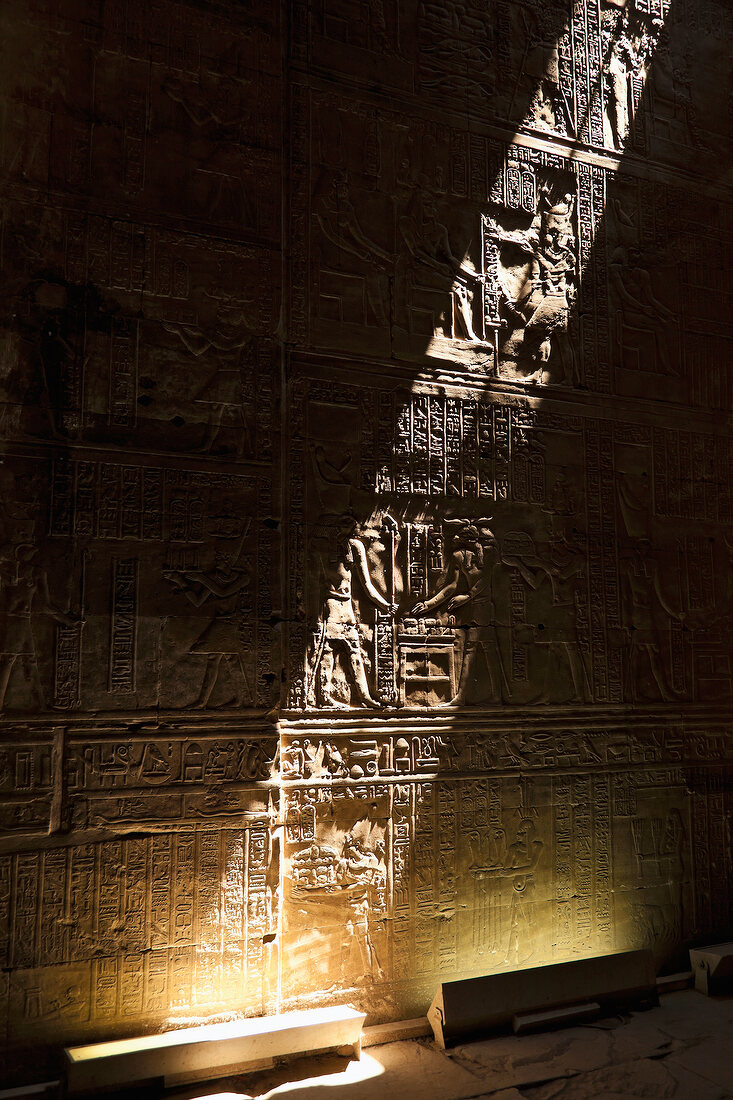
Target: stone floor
<point>682,1049</point>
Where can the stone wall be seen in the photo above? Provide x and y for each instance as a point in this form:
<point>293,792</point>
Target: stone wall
<point>365,564</point>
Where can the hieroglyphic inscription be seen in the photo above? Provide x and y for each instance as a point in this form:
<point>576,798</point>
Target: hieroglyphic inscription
<point>123,625</point>
<point>415,414</point>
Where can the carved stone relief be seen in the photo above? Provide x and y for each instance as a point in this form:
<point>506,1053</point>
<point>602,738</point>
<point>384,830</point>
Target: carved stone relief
<point>492,569</point>
<point>458,274</point>
<point>476,849</point>
<point>366,542</point>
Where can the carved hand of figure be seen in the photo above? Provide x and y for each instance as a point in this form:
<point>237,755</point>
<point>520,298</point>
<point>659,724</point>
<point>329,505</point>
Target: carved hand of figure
<point>419,609</point>
<point>513,307</point>
<point>67,618</point>
<point>391,527</point>
<point>457,601</point>
<point>175,576</point>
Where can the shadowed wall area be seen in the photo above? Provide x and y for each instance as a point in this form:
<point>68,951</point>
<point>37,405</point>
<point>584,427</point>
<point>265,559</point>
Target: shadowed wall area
<point>365,558</point>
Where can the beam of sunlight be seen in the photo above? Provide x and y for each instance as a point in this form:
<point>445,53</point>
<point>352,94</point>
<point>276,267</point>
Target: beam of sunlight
<point>222,1096</point>
<point>366,1069</point>
<point>450,521</point>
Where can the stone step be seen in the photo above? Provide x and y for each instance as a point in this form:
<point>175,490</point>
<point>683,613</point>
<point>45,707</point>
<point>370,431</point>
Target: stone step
<point>474,1006</point>
<point>213,1050</point>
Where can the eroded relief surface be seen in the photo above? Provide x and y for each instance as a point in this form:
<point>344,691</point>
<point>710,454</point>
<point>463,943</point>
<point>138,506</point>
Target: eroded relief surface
<point>367,531</point>
<point>508,492</point>
<point>139,541</point>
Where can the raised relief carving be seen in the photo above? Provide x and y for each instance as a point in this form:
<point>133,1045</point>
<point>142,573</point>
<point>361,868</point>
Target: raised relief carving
<point>374,30</point>
<point>337,672</point>
<point>224,586</point>
<point>643,299</point>
<point>499,619</point>
<point>503,856</point>
<point>561,633</point>
<point>336,886</point>
<point>339,222</point>
<point>355,877</point>
<point>26,599</point>
<point>629,37</point>
<point>26,778</point>
<point>431,268</point>
<point>535,280</point>
<point>468,592</point>
<point>224,395</point>
<point>467,253</point>
<point>415,423</point>
<point>648,618</point>
<point>509,63</point>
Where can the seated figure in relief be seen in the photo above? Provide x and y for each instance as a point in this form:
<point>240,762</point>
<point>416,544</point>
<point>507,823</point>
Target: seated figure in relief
<point>537,288</point>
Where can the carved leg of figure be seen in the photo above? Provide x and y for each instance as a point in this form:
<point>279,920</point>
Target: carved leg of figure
<point>324,674</point>
<point>212,430</point>
<point>548,677</point>
<point>244,445</point>
<point>494,908</point>
<point>377,288</point>
<point>619,117</point>
<point>542,353</point>
<point>359,672</point>
<point>512,947</point>
<point>463,309</point>
<point>313,666</point>
<point>499,690</point>
<point>245,693</point>
<point>211,675</point>
<point>467,662</point>
<point>659,673</point>
<point>565,352</point>
<point>34,673</point>
<point>369,960</point>
<point>579,673</point>
<point>559,664</point>
<point>488,644</point>
<point>631,691</point>
<point>478,645</point>
<point>663,355</point>
<point>572,373</point>
<point>5,671</point>
<point>345,955</point>
<point>52,415</point>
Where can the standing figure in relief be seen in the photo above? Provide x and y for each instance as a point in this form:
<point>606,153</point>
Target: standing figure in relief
<point>428,242</point>
<point>220,641</point>
<point>337,632</point>
<point>469,585</point>
<point>620,60</point>
<point>566,678</point>
<point>644,324</point>
<point>627,50</point>
<point>340,224</point>
<point>363,880</point>
<point>523,857</point>
<point>25,596</point>
<point>647,616</point>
